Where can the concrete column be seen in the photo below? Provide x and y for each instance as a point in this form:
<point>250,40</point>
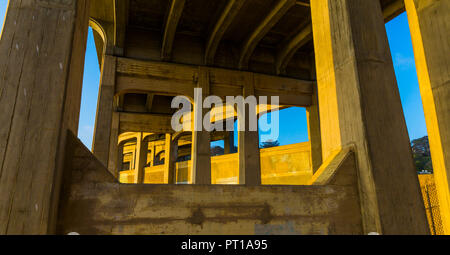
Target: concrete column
<point>201,140</point>
<point>429,22</point>
<point>153,153</point>
<point>118,163</point>
<point>119,160</point>
<point>141,158</point>
<point>359,106</point>
<point>114,158</point>
<point>312,117</point>
<point>133,161</point>
<point>248,149</point>
<point>103,119</point>
<point>42,53</point>
<point>228,142</point>
<point>171,152</point>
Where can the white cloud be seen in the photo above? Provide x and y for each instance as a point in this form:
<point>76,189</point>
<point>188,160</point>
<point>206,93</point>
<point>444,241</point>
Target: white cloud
<point>403,62</point>
<point>86,133</point>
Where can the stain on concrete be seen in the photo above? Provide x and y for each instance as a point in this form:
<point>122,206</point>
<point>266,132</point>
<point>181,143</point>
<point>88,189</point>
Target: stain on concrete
<point>197,217</point>
<point>265,214</point>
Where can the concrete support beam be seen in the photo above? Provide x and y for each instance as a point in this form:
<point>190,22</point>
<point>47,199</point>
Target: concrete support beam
<point>248,149</point>
<point>42,53</point>
<point>287,50</point>
<point>313,122</point>
<point>133,160</point>
<point>289,47</point>
<point>103,118</point>
<point>223,22</point>
<point>121,11</point>
<point>360,106</point>
<point>145,122</point>
<point>171,155</point>
<point>170,27</point>
<point>393,10</point>
<point>201,140</point>
<point>175,79</point>
<point>152,154</point>
<point>272,18</point>
<point>141,158</point>
<point>228,142</point>
<point>114,163</point>
<point>149,102</point>
<point>119,161</point>
<point>429,23</point>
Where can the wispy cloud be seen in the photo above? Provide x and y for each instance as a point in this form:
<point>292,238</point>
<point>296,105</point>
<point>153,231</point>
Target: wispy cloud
<point>86,133</point>
<point>403,62</point>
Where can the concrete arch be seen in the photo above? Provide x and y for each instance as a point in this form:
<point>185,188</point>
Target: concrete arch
<point>103,37</point>
<point>126,137</point>
<point>160,156</point>
<point>97,27</point>
<point>124,141</point>
<point>178,135</point>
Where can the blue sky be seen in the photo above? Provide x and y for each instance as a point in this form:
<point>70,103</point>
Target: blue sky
<point>293,127</point>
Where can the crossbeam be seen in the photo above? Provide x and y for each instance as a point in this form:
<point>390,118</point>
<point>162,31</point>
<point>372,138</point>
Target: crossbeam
<point>175,79</point>
<point>141,122</point>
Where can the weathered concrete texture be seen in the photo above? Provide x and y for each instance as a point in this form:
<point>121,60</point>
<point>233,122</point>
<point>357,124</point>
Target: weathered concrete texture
<point>42,51</point>
<point>429,22</point>
<point>248,139</point>
<point>360,106</point>
<point>93,203</point>
<point>103,118</point>
<point>201,140</point>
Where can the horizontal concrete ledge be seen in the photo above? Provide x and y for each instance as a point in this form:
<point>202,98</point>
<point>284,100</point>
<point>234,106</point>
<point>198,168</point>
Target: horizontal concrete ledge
<point>93,203</point>
<point>110,208</point>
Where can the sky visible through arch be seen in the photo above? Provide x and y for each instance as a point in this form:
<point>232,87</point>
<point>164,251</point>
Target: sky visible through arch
<point>293,127</point>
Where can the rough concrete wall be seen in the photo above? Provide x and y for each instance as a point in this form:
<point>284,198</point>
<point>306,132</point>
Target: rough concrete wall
<point>93,203</point>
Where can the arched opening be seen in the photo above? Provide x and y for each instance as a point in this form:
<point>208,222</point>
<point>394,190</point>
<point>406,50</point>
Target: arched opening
<point>292,128</point>
<point>285,151</point>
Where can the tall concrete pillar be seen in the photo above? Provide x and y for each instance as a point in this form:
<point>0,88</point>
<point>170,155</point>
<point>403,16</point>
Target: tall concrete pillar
<point>171,155</point>
<point>248,149</point>
<point>119,161</point>
<point>152,153</point>
<point>228,142</point>
<point>140,158</point>
<point>429,22</point>
<point>359,106</point>
<point>42,53</point>
<point>115,149</point>
<point>103,119</point>
<point>312,117</point>
<point>201,140</point>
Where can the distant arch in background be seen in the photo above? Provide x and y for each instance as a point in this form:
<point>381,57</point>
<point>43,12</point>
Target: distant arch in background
<point>95,25</point>
<point>102,34</point>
